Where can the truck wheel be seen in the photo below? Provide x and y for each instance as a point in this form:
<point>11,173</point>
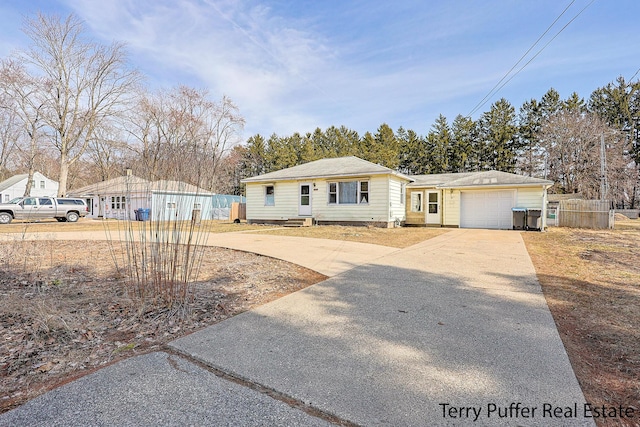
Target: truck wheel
<point>72,217</point>
<point>5,218</point>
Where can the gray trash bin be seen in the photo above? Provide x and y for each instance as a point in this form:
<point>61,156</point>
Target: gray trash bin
<point>534,222</point>
<point>519,218</point>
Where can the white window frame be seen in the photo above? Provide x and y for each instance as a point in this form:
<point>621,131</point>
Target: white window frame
<point>417,201</point>
<point>403,193</point>
<point>359,192</point>
<point>42,184</point>
<point>269,199</point>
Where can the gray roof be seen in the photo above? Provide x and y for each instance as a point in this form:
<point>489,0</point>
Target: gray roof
<point>327,168</point>
<point>134,184</point>
<point>120,184</point>
<point>12,181</point>
<point>477,179</point>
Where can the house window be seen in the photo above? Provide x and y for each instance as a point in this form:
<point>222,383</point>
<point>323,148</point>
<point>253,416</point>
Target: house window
<point>269,195</point>
<point>197,206</point>
<point>416,202</point>
<point>113,202</point>
<point>333,192</point>
<point>349,192</point>
<point>433,203</point>
<point>403,193</point>
<point>171,205</point>
<point>364,192</point>
<point>41,184</point>
<point>118,202</point>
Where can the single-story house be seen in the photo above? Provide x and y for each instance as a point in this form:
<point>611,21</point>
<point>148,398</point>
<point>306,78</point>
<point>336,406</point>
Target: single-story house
<point>474,199</point>
<point>344,190</point>
<point>349,190</point>
<point>120,197</point>
<point>14,187</point>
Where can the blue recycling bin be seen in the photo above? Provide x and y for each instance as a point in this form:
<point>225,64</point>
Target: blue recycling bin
<point>143,214</point>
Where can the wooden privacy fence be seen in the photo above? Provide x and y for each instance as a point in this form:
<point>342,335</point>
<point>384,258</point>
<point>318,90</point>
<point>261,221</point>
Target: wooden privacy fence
<point>585,214</point>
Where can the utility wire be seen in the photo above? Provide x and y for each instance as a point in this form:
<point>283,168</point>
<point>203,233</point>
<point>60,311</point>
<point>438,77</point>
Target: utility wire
<point>632,77</point>
<point>500,86</point>
<point>482,101</point>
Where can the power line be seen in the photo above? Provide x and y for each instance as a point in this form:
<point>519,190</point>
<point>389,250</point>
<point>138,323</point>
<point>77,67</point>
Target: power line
<point>482,101</point>
<point>499,86</point>
<point>634,75</point>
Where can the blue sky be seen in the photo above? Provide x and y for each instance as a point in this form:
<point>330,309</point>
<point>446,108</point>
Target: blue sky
<point>292,66</point>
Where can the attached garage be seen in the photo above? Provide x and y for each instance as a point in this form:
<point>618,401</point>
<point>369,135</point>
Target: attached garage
<point>487,209</point>
<point>475,199</point>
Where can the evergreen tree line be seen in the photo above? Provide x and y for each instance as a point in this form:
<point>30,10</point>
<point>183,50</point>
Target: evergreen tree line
<point>552,138</point>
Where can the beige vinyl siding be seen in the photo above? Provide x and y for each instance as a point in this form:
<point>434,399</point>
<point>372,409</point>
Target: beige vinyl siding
<point>285,201</point>
<point>530,198</point>
<point>451,208</point>
<point>396,206</point>
<point>376,210</point>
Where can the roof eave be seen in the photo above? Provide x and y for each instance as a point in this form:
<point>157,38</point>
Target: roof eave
<point>325,176</point>
<point>476,186</point>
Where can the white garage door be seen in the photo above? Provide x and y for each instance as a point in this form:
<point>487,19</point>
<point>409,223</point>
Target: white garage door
<point>486,209</point>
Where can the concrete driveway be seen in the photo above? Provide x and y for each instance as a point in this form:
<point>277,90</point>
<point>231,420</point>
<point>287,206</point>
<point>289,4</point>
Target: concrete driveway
<point>452,331</point>
<point>447,332</point>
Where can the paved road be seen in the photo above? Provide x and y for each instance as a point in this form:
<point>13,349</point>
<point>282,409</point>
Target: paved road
<point>399,338</point>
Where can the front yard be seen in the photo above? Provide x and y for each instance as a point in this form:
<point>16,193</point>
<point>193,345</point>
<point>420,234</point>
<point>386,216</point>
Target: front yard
<point>591,281</point>
<point>64,314</point>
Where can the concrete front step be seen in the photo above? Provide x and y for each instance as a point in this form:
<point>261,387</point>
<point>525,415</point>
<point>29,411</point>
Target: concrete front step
<point>299,222</point>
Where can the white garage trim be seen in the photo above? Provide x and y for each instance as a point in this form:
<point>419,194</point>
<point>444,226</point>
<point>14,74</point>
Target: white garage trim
<point>487,209</point>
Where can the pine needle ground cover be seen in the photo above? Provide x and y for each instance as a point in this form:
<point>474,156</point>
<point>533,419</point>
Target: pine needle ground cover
<point>591,281</point>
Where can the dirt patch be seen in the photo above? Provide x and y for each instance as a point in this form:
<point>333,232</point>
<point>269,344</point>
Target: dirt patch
<point>591,281</point>
<point>65,311</point>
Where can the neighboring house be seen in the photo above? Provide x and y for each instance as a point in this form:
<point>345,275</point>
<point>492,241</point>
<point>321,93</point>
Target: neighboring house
<point>120,197</point>
<point>473,199</point>
<point>349,190</point>
<point>15,186</point>
<point>344,190</point>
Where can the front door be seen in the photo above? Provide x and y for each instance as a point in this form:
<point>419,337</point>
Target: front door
<point>433,207</point>
<point>304,205</point>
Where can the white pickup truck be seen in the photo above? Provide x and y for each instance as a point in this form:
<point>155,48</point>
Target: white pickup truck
<point>36,208</point>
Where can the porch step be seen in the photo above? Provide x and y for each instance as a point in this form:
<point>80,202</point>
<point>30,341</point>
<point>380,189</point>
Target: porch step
<point>298,222</point>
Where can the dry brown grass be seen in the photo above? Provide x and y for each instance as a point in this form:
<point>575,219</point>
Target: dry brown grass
<point>591,280</point>
<point>393,237</point>
<point>65,312</point>
<point>87,224</point>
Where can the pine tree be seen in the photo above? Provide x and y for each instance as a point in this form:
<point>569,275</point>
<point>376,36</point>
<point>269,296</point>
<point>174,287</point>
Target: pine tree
<point>462,158</point>
<point>498,137</point>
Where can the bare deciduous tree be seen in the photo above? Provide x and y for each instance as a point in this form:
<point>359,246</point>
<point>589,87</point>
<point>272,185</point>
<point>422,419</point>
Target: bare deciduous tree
<point>182,134</point>
<point>572,143</point>
<point>21,93</point>
<point>85,84</point>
